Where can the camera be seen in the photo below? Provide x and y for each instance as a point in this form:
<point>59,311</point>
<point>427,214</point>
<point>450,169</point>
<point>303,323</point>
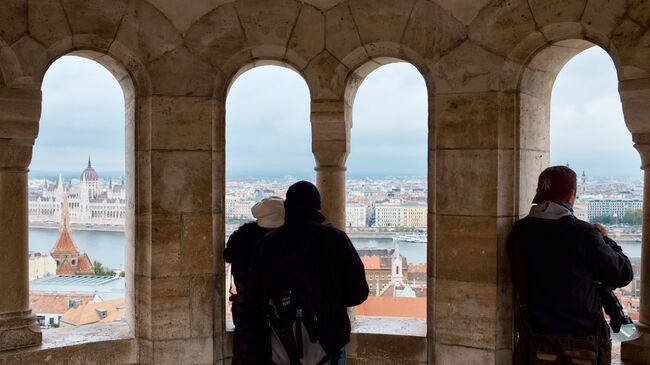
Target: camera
<point>613,308</point>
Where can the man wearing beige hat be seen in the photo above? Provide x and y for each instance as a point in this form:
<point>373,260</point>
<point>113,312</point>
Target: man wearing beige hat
<point>248,339</point>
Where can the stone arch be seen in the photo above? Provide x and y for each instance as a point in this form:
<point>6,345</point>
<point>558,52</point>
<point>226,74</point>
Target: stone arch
<point>132,91</point>
<point>532,69</point>
<point>530,73</point>
<point>222,93</point>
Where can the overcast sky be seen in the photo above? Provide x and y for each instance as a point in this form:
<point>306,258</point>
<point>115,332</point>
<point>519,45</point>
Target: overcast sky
<point>268,130</point>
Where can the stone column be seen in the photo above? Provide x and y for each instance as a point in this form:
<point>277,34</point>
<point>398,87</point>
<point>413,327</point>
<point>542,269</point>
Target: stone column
<point>331,145</point>
<point>637,349</point>
<point>19,115</point>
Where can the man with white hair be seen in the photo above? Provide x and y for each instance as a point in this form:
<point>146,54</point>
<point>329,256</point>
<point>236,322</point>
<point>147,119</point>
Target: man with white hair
<point>249,338</point>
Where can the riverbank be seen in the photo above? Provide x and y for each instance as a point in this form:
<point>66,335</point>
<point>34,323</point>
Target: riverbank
<point>78,227</point>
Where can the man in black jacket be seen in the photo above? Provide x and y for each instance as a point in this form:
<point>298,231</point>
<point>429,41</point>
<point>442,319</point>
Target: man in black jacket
<point>326,252</point>
<point>557,261</point>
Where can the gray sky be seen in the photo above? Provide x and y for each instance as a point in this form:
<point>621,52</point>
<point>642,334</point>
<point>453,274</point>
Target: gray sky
<point>268,121</point>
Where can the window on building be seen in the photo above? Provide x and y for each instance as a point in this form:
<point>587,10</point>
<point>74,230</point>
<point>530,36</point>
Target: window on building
<point>75,178</point>
<point>268,141</point>
<point>588,133</point>
<point>387,185</point>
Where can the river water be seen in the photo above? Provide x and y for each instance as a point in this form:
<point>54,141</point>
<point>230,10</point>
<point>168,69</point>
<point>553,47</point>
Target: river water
<point>108,247</point>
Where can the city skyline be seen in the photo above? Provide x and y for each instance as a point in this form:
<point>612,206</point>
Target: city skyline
<point>587,127</point>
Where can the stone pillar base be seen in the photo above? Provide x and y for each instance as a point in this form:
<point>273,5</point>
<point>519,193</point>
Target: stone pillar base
<point>637,349</point>
<point>18,330</point>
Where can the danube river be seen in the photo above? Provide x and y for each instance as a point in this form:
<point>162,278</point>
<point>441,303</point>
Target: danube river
<point>108,247</point>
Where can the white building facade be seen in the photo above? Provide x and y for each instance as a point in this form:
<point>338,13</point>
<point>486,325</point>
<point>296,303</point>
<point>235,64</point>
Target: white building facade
<point>356,215</point>
<point>91,201</point>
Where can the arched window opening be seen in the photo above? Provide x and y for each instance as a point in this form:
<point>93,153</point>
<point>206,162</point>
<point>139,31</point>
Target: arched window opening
<point>588,133</point>
<point>386,190</point>
<point>76,182</point>
<point>268,143</point>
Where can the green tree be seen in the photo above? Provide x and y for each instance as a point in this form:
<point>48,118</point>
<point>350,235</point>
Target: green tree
<point>603,219</point>
<point>633,217</point>
<point>101,270</point>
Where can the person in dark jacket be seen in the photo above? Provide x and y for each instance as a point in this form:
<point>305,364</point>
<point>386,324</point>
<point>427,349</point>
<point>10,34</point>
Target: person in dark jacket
<point>557,261</point>
<point>332,258</point>
<point>249,337</point>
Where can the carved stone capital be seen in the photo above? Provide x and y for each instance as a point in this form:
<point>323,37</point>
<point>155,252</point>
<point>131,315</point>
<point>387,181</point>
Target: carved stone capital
<point>18,330</point>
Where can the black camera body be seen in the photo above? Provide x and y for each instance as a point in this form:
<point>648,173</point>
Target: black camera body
<point>613,308</point>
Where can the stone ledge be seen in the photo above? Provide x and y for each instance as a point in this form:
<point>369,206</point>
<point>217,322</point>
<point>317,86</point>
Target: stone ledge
<point>92,344</point>
<point>376,340</point>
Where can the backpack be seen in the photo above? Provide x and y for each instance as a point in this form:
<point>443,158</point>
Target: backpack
<point>299,316</point>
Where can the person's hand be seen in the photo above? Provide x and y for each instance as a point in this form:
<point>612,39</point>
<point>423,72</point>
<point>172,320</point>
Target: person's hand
<point>601,229</point>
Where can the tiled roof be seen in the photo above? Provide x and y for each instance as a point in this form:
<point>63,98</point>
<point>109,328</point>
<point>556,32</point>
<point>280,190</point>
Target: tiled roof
<point>65,268</point>
<point>371,262</point>
<point>64,244</point>
<point>413,268</point>
<point>84,266</point>
<point>393,307</point>
<point>87,314</point>
<point>56,303</point>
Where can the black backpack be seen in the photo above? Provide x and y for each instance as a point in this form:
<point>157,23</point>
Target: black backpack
<point>303,329</point>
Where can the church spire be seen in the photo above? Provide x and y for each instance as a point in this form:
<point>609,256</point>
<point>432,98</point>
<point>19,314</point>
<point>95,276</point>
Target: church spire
<point>65,215</point>
<point>89,165</point>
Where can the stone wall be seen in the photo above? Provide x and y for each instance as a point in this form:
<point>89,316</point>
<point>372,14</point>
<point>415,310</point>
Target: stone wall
<point>489,67</point>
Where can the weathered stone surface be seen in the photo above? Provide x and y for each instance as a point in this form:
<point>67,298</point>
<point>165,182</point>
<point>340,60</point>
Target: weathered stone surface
<point>342,37</point>
<point>466,182</point>
<point>468,68</point>
<point>268,22</point>
<point>308,38</point>
<point>19,332</point>
<point>431,32</point>
<point>450,354</point>
<point>99,17</point>
<point>392,15</point>
<point>165,246</point>
<point>534,129</point>
<point>625,37</point>
<point>47,22</point>
<point>198,256</point>
<point>556,11</point>
<point>13,24</point>
<point>502,25</point>
<point>378,349</point>
<point>21,110</point>
<point>466,120</point>
<point>170,308</point>
<point>603,15</point>
<point>134,32</point>
<point>182,15</point>
<point>485,149</point>
<point>105,344</point>
<point>202,301</point>
<point>32,55</point>
<point>640,12</point>
<point>465,313</point>
<point>197,79</point>
<point>191,351</point>
<point>181,181</point>
<point>474,260</point>
<point>219,39</point>
<point>326,77</point>
<point>463,10</point>
<point>181,123</point>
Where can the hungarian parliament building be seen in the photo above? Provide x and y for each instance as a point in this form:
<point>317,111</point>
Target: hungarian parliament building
<point>91,201</point>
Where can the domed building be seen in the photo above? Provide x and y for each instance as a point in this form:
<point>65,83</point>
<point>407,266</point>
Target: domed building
<point>89,182</point>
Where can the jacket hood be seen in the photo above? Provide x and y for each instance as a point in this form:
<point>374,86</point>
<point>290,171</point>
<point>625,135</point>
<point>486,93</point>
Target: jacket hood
<point>549,210</point>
